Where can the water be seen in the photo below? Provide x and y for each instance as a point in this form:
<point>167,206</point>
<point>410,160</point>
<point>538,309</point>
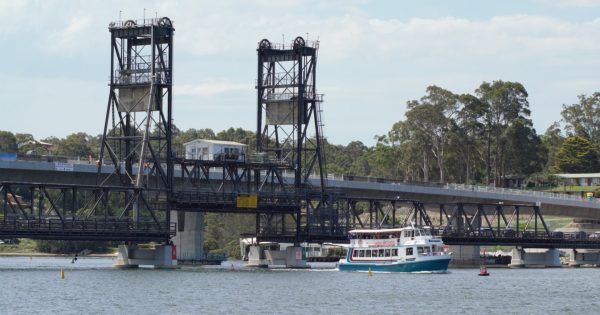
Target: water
<point>92,286</point>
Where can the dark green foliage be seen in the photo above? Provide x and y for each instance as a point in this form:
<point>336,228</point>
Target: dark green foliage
<point>8,142</point>
<point>577,155</point>
<point>222,233</point>
<point>583,119</point>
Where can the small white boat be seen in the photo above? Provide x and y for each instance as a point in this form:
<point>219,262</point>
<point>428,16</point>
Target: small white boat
<point>407,249</point>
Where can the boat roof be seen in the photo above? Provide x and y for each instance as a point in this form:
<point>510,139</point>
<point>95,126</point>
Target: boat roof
<point>385,230</point>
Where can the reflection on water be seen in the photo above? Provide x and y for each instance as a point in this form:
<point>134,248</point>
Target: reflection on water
<point>91,285</point>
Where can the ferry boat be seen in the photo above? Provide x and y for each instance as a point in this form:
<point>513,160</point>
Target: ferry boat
<point>407,249</point>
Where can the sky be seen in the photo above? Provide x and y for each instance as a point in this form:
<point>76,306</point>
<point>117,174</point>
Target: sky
<point>374,56</point>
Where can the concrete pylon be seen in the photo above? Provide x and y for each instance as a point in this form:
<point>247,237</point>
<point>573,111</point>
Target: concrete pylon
<point>581,257</point>
<point>160,257</point>
<point>535,257</point>
<point>464,255</point>
<point>190,235</point>
<point>295,257</point>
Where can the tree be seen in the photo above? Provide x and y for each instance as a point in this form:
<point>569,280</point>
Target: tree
<point>8,142</point>
<point>583,119</point>
<point>468,133</point>
<point>506,102</point>
<point>525,153</point>
<point>75,145</point>
<point>552,140</point>
<point>577,155</point>
<point>433,118</point>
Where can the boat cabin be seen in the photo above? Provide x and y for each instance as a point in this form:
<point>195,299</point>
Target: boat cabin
<point>407,242</point>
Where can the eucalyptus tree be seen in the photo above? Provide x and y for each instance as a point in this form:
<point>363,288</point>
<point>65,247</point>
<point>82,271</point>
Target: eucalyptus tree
<point>505,103</point>
<point>552,140</point>
<point>433,118</point>
<point>583,119</point>
<point>468,134</point>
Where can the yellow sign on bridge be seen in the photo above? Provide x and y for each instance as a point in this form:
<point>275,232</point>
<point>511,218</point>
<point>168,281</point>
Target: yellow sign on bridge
<point>247,201</point>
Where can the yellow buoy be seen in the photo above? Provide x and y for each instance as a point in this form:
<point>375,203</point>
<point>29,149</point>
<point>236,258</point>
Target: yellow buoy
<point>369,273</point>
<point>62,274</point>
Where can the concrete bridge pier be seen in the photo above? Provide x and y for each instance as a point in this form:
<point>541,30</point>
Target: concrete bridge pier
<point>295,257</point>
<point>160,257</point>
<point>522,257</point>
<point>464,255</point>
<point>579,257</point>
<point>290,257</point>
<point>190,235</point>
<point>257,257</point>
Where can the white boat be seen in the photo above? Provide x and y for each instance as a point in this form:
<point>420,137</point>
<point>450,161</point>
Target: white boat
<point>407,249</point>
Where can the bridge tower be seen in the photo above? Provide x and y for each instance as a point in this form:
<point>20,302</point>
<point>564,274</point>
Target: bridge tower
<point>290,129</point>
<point>136,141</point>
<point>289,126</point>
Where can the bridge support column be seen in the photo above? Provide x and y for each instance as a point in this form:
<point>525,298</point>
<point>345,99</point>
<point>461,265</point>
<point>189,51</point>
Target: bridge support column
<point>162,256</point>
<point>291,257</point>
<point>581,257</point>
<point>535,257</point>
<point>190,235</point>
<point>464,255</point>
<point>257,257</point>
<point>295,257</point>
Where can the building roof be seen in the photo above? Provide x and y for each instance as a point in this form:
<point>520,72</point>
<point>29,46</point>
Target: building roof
<point>216,142</point>
<point>580,175</point>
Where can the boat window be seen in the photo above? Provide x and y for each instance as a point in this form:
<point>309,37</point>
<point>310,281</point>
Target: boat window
<point>420,250</point>
<point>374,253</point>
<point>381,253</point>
<point>368,253</point>
<point>387,253</point>
<point>409,251</point>
<point>361,253</point>
<point>394,252</point>
<point>354,253</point>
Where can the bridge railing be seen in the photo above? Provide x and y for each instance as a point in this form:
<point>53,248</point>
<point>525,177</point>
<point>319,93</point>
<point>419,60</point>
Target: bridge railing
<point>519,192</point>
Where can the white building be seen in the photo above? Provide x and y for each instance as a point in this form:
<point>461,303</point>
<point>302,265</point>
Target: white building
<point>582,179</point>
<point>217,150</point>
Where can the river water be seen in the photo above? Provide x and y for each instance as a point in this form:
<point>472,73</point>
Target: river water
<point>92,286</point>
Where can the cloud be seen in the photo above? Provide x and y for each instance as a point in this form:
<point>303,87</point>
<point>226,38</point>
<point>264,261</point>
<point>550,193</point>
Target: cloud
<point>572,3</point>
<point>74,36</point>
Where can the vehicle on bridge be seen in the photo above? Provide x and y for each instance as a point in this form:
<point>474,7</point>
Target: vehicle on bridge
<point>407,249</point>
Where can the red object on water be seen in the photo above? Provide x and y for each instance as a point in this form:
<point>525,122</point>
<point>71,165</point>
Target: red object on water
<point>483,271</point>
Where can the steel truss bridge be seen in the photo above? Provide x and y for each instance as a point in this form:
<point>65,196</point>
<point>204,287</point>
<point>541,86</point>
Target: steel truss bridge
<point>79,212</point>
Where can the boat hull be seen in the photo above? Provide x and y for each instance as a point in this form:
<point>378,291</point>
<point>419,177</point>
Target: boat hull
<point>433,265</point>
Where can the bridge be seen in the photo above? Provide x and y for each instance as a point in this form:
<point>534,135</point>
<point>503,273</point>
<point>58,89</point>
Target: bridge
<point>574,206</point>
<point>141,191</point>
